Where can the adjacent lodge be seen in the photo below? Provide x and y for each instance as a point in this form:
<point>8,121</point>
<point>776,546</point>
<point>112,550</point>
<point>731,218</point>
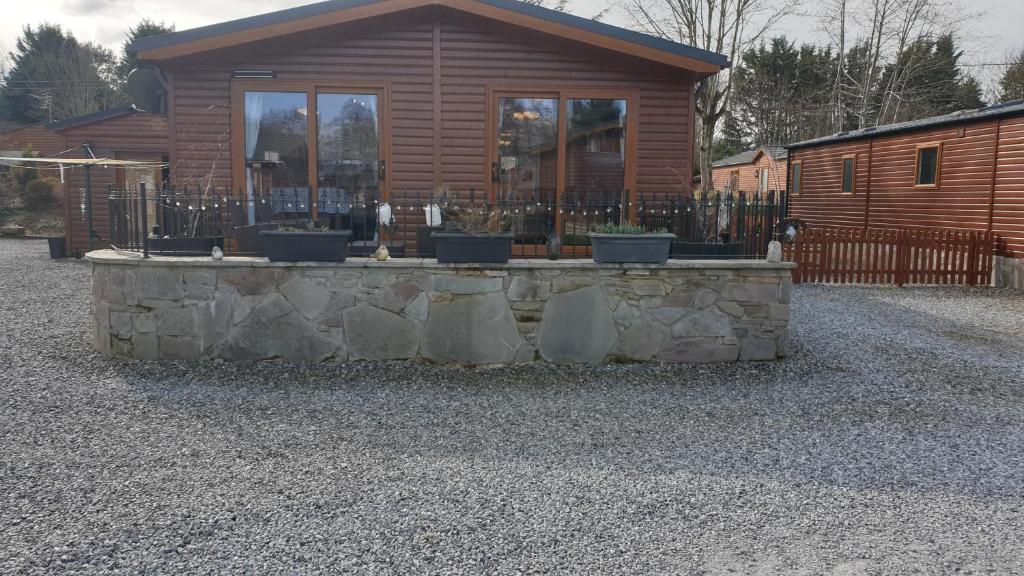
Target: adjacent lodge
<point>123,133</point>
<point>960,171</point>
<point>762,170</point>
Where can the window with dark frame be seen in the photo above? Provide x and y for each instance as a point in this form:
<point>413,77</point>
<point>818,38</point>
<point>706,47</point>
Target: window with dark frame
<point>797,177</point>
<point>927,166</point>
<point>849,174</point>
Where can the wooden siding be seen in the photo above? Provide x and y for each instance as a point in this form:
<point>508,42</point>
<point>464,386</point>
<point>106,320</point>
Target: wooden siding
<point>477,53</point>
<point>821,200</point>
<point>748,181</point>
<point>1008,191</point>
<point>977,189</point>
<point>43,141</point>
<point>472,54</point>
<point>130,137</point>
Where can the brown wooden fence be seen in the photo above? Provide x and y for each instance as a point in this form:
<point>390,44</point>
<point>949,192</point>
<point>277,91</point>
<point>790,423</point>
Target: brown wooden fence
<point>859,256</point>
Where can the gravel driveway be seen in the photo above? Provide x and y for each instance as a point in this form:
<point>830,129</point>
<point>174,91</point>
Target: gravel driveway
<point>892,442</point>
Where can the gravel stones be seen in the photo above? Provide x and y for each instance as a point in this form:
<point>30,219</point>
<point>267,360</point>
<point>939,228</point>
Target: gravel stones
<point>891,442</point>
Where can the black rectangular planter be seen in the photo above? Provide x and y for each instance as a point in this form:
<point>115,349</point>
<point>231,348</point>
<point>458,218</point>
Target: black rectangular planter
<point>456,248</point>
<point>306,246</point>
<point>197,246</point>
<point>708,251</point>
<point>58,247</point>
<point>425,242</point>
<point>631,248</point>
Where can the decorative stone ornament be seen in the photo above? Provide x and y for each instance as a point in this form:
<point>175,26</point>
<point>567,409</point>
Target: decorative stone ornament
<point>775,251</point>
<point>554,246</point>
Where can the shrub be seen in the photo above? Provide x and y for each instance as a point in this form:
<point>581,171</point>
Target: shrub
<point>41,194</point>
<point>28,172</point>
<point>476,221</point>
<point>10,191</point>
<point>625,228</point>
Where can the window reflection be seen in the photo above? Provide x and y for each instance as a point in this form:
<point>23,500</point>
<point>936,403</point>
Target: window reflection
<point>527,148</point>
<point>348,151</point>
<point>595,149</point>
<point>277,155</point>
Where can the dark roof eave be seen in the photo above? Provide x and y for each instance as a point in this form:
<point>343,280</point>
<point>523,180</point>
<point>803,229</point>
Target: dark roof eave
<point>312,10</point>
<point>1013,109</point>
<point>91,118</point>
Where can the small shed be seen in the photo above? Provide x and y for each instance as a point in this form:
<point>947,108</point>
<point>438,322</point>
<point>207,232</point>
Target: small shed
<point>960,171</point>
<point>121,134</point>
<point>42,140</point>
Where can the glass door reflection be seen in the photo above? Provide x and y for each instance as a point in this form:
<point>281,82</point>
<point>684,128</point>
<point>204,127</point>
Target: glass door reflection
<point>527,163</point>
<point>349,168</point>
<point>276,156</point>
<point>595,157</point>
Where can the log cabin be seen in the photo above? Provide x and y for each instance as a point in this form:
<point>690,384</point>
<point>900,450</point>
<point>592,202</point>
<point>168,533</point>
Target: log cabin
<point>760,170</point>
<point>391,99</point>
<point>961,171</point>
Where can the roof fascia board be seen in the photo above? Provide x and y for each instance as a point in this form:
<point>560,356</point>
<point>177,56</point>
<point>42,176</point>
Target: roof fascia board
<point>882,133</point>
<point>385,7</point>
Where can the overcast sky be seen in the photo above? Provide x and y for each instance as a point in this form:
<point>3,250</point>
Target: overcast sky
<point>990,38</point>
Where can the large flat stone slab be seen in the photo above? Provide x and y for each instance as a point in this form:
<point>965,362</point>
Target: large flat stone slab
<point>479,330</point>
<point>375,334</point>
<point>275,331</point>
<point>578,326</point>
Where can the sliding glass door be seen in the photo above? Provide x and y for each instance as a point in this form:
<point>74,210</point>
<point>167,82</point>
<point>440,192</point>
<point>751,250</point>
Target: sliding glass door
<point>565,146</point>
<point>527,164</point>
<point>349,167</point>
<point>277,156</point>
<point>311,152</point>
<point>595,157</point>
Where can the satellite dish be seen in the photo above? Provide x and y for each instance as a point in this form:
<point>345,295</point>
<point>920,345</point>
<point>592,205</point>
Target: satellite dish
<point>146,89</point>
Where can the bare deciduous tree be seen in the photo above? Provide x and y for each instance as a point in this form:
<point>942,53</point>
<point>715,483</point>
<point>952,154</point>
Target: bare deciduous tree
<point>727,27</point>
<point>873,80</point>
<point>834,20</point>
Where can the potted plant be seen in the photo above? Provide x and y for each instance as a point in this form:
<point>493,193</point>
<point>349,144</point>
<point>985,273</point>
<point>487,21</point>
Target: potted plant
<point>630,244</point>
<point>473,236</point>
<point>308,244</point>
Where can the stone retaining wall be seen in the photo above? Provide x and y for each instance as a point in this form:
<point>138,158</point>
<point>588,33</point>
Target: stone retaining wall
<point>246,309</point>
<point>1009,272</point>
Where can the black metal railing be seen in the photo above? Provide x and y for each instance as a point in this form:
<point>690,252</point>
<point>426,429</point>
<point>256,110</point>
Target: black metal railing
<point>183,221</point>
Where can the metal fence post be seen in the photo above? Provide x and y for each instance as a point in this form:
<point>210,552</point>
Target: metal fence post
<point>88,203</point>
<point>145,220</point>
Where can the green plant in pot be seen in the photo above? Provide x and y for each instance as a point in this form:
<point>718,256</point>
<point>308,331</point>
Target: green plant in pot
<point>309,243</point>
<point>629,243</point>
<point>473,236</point>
